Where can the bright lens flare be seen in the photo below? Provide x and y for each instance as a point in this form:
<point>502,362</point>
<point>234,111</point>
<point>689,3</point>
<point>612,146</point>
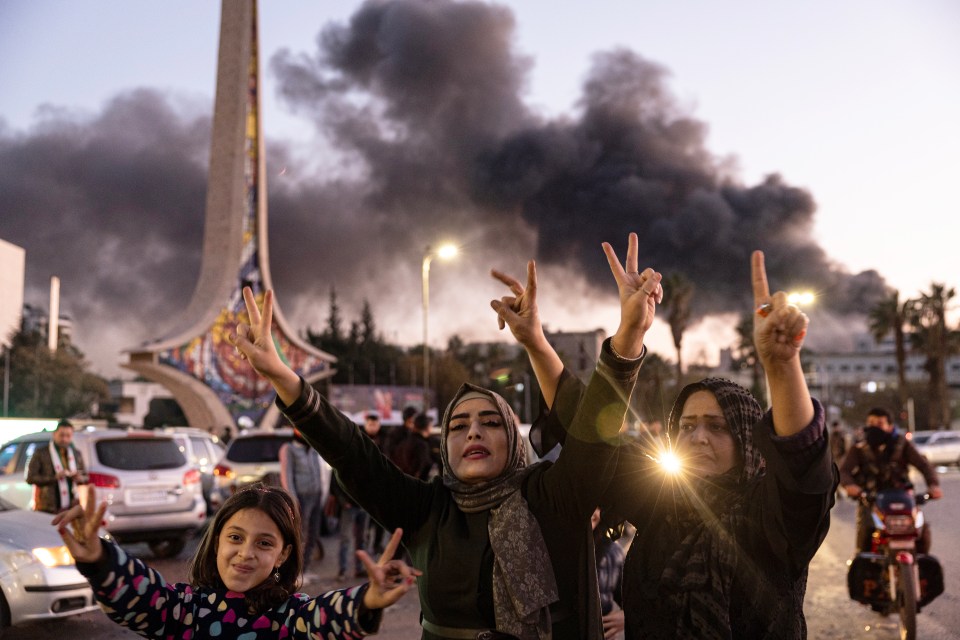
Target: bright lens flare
<point>670,462</point>
<point>801,298</point>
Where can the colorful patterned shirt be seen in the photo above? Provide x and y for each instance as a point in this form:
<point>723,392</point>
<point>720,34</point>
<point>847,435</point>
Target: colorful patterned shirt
<point>135,596</point>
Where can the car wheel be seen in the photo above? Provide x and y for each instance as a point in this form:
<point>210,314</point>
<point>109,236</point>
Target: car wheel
<point>167,548</point>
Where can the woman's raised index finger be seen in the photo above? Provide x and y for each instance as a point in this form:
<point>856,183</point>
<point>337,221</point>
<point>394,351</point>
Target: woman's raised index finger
<point>391,547</point>
<point>267,320</point>
<point>632,253</point>
<point>758,274</point>
<point>515,287</point>
<point>532,278</point>
<point>614,262</point>
<point>252,311</point>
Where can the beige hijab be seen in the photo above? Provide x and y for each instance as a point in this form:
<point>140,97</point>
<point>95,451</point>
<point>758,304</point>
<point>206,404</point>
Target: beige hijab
<point>523,580</point>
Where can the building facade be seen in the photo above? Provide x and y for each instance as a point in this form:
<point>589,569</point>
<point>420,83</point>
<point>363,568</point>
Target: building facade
<point>12,269</point>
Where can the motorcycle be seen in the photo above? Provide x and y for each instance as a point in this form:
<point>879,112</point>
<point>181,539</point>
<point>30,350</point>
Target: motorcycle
<point>894,576</point>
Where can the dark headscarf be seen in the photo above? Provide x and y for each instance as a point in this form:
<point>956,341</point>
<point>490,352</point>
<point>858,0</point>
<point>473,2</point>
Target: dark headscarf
<point>523,580</point>
<point>740,410</point>
<point>699,576</point>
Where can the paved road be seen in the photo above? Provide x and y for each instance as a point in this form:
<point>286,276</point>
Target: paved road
<point>830,614</point>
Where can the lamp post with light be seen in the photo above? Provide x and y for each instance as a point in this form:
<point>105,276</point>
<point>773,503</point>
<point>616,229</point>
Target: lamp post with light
<point>444,252</point>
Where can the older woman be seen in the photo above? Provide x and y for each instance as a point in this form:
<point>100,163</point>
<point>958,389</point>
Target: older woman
<point>722,548</point>
<point>504,548</point>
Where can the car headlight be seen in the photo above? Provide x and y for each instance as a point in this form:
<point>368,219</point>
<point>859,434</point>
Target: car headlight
<point>18,559</point>
<point>54,556</point>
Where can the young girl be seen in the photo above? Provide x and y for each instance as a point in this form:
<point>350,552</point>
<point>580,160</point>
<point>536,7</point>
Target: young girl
<point>242,580</point>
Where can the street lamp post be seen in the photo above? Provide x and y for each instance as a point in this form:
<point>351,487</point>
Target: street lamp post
<point>445,251</point>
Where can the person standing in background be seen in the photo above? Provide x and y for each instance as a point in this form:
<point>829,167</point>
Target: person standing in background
<point>56,470</point>
<point>301,475</point>
<point>373,533</point>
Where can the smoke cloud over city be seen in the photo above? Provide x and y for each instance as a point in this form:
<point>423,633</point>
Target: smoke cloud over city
<point>424,135</point>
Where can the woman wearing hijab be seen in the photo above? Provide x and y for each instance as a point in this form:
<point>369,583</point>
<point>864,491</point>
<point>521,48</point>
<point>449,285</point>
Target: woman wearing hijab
<point>723,546</point>
<point>503,547</point>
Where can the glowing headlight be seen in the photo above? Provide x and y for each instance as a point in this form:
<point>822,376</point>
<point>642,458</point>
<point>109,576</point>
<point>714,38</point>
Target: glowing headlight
<point>669,462</point>
<point>53,556</point>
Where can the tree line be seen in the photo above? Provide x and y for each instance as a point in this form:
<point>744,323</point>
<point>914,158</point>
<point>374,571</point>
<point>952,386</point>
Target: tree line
<point>55,384</point>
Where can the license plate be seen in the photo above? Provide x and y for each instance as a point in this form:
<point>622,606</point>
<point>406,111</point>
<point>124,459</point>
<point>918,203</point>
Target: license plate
<point>900,544</point>
<point>142,497</point>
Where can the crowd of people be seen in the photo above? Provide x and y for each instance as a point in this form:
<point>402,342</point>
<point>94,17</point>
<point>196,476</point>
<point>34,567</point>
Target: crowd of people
<point>728,501</point>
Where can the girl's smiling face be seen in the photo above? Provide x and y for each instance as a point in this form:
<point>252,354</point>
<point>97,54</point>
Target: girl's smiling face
<point>706,444</point>
<point>249,549</point>
<point>477,441</point>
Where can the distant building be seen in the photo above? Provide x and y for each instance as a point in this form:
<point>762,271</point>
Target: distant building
<point>37,319</point>
<point>578,350</point>
<point>131,399</point>
<point>870,366</point>
<point>12,266</point>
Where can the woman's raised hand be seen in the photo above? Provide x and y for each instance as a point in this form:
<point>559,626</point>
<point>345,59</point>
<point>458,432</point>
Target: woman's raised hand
<point>78,526</point>
<point>778,326</point>
<point>519,311</point>
<point>389,578</point>
<point>640,292</point>
<point>254,341</point>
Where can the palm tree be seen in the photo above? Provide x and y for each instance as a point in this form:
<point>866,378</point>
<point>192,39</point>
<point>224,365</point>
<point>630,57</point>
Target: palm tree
<point>887,316</point>
<point>678,293</point>
<point>746,356</point>
<point>932,337</point>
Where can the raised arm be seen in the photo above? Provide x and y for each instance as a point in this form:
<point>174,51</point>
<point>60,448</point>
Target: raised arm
<point>519,312</point>
<point>255,344</point>
<point>639,295</point>
<point>637,309</point>
<point>778,332</point>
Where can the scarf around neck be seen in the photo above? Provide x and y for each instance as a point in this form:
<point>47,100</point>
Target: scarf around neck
<point>64,485</point>
<point>524,585</point>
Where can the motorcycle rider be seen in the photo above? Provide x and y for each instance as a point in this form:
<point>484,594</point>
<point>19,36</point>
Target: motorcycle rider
<point>881,461</point>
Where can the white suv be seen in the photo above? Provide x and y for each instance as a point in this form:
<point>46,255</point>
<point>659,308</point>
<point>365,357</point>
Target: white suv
<point>151,489</point>
<point>252,456</point>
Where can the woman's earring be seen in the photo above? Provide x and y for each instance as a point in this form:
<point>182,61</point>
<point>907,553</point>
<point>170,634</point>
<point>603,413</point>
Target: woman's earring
<point>276,575</point>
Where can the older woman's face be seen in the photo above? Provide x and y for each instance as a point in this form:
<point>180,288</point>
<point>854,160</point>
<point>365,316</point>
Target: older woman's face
<point>706,444</point>
<point>477,441</point>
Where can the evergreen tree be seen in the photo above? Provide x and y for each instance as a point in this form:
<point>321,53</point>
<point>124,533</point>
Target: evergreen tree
<point>51,385</point>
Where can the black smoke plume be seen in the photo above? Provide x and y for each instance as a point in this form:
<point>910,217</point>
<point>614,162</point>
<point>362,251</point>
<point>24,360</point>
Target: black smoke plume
<point>420,105</point>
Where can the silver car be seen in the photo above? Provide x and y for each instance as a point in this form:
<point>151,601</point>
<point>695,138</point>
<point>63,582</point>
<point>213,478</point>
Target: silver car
<point>203,450</point>
<point>252,456</point>
<point>38,578</point>
<point>940,447</point>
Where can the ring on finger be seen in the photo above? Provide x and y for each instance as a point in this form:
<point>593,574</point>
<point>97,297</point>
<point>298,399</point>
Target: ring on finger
<point>764,310</point>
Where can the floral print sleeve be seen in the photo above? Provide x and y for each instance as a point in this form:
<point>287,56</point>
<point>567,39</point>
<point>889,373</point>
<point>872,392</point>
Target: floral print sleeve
<point>135,596</point>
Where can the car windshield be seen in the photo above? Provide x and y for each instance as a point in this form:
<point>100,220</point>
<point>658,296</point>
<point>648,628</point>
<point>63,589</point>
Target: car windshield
<point>920,438</point>
<point>256,449</point>
<point>129,454</point>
